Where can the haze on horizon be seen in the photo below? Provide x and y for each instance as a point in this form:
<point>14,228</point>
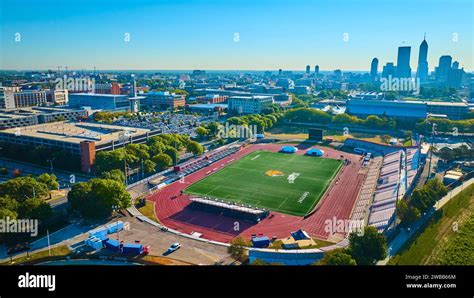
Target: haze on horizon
<point>230,35</point>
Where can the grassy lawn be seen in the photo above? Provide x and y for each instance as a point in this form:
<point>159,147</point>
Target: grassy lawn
<point>448,238</point>
<point>159,260</point>
<point>249,181</point>
<point>149,211</point>
<point>62,250</point>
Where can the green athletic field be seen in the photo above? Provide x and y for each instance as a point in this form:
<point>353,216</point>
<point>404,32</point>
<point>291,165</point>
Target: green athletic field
<point>245,181</point>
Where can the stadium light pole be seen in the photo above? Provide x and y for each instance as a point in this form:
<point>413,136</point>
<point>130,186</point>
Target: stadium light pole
<point>433,132</point>
<point>51,163</point>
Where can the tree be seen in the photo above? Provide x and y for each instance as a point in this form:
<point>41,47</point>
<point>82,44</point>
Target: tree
<point>367,248</point>
<point>337,257</point>
<point>202,132</point>
<point>117,175</point>
<point>22,188</point>
<point>49,180</point>
<point>109,160</point>
<point>149,166</point>
<point>237,248</point>
<point>195,148</point>
<point>213,128</point>
<point>162,161</point>
<point>138,151</point>
<point>173,153</point>
<point>35,208</point>
<point>8,207</point>
<point>97,197</point>
<point>406,213</point>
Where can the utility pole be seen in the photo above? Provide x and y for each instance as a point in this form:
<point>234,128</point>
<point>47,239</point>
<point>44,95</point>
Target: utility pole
<point>143,174</point>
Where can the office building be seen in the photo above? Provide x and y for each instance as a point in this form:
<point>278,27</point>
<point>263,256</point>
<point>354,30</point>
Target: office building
<point>116,89</point>
<point>389,70</point>
<point>14,98</point>
<point>57,97</point>
<point>308,69</point>
<point>164,100</point>
<point>249,104</point>
<point>422,70</point>
<point>108,102</point>
<point>2,97</point>
<point>374,69</point>
<point>403,62</point>
<point>316,69</point>
<point>443,68</point>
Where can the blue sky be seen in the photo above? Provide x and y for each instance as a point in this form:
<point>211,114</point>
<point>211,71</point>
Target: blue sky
<point>199,34</point>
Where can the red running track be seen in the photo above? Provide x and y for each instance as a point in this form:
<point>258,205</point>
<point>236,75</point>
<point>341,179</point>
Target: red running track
<point>172,211</point>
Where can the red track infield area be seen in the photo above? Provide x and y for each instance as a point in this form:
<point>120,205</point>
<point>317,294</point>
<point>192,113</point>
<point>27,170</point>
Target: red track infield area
<point>172,209</point>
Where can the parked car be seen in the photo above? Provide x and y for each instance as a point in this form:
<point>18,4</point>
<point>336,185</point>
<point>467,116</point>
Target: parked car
<point>174,247</point>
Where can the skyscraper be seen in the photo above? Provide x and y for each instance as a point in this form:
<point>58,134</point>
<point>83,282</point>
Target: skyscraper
<point>444,66</point>
<point>308,69</point>
<point>373,69</point>
<point>403,62</point>
<point>422,71</point>
<point>316,69</point>
<point>389,70</point>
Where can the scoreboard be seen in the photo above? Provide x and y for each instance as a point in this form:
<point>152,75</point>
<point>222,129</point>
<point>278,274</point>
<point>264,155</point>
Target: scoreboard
<point>315,134</point>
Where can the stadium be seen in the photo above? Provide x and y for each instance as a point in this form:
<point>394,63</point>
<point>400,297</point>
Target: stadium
<point>263,189</point>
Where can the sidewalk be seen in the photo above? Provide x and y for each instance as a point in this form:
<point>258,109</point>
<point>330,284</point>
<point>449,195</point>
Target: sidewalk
<point>68,235</point>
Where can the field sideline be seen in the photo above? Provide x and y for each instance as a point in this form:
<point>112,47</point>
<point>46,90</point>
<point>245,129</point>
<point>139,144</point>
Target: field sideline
<point>261,179</point>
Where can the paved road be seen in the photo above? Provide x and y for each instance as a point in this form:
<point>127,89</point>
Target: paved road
<point>27,168</point>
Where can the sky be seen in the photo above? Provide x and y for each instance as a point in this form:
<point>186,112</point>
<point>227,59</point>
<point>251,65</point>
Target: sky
<point>230,34</point>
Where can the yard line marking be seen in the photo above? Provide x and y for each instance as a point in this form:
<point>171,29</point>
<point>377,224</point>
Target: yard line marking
<point>282,202</point>
<point>253,158</point>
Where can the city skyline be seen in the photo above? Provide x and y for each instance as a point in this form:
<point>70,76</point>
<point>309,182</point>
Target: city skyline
<point>244,35</point>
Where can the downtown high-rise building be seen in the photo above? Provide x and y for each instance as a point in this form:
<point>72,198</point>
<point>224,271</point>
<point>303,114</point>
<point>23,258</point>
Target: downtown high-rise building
<point>422,71</point>
<point>316,69</point>
<point>308,69</point>
<point>443,69</point>
<point>373,69</point>
<point>389,70</point>
<point>403,62</point>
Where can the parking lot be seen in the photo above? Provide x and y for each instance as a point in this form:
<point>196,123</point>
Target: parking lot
<point>191,251</point>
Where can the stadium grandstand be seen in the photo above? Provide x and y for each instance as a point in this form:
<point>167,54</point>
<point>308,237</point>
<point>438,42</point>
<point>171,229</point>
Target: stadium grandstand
<point>197,164</point>
<point>232,209</point>
<point>397,174</point>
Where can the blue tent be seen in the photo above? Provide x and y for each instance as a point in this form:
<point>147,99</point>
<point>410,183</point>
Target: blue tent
<point>288,149</point>
<point>262,241</point>
<point>300,235</point>
<point>315,152</point>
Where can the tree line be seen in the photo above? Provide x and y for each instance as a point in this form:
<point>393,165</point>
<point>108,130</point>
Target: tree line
<point>159,153</point>
<point>310,115</point>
